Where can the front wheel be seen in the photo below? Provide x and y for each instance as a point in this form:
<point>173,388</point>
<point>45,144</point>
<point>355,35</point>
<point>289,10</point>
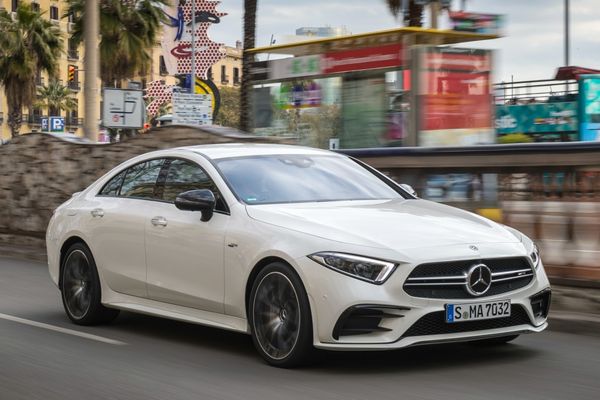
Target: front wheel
<point>279,316</point>
<point>80,288</point>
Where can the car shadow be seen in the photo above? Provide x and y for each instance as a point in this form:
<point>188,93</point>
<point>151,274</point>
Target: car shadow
<point>426,358</point>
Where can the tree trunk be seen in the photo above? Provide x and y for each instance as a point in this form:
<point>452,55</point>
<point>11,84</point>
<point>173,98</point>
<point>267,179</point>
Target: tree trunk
<point>250,7</point>
<point>15,118</point>
<point>415,15</point>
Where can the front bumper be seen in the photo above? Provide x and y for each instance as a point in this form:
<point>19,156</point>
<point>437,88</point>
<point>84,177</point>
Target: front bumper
<point>333,295</point>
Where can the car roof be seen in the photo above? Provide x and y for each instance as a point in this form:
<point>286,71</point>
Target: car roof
<point>229,150</point>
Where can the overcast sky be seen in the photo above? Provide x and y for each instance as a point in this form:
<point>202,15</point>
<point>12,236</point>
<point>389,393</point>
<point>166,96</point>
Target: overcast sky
<point>531,49</point>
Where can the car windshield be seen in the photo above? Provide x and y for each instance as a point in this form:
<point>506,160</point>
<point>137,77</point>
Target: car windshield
<point>301,178</point>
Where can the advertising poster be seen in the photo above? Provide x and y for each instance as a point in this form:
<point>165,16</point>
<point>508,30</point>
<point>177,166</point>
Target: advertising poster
<point>536,118</point>
<point>589,103</point>
<point>454,97</point>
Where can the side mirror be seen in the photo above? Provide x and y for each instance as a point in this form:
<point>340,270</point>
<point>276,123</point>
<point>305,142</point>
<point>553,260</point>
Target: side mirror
<point>197,200</point>
<point>409,189</point>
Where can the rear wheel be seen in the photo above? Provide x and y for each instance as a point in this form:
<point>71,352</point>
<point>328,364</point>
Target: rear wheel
<point>280,317</point>
<point>80,288</point>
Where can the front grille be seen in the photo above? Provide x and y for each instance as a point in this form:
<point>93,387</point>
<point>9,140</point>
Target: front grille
<point>435,323</point>
<point>447,280</point>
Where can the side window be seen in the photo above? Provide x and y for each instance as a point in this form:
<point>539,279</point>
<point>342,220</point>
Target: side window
<point>113,186</point>
<point>185,175</point>
<point>140,179</point>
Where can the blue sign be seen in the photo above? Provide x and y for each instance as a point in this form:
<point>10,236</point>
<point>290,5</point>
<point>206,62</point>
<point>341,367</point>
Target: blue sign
<point>589,107</point>
<point>45,124</point>
<point>57,124</point>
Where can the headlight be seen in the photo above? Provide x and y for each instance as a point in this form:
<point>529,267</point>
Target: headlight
<point>535,256</point>
<point>363,268</point>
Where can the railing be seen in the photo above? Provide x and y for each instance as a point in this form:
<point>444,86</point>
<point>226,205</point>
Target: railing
<point>73,121</point>
<point>33,119</point>
<point>525,92</point>
<point>549,191</point>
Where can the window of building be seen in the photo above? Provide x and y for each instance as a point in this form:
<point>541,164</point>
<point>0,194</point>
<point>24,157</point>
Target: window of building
<point>71,17</point>
<point>209,74</point>
<point>223,74</point>
<point>14,5</point>
<point>162,66</point>
<point>54,12</point>
<point>236,76</point>
<point>35,7</point>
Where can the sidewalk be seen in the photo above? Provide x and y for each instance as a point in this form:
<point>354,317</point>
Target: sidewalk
<point>573,309</point>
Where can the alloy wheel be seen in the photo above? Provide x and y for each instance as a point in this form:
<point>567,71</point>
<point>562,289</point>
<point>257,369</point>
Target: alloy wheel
<point>77,284</point>
<point>276,315</point>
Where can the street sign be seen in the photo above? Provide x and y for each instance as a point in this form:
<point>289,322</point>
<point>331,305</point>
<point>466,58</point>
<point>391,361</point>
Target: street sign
<point>192,109</point>
<point>123,108</point>
<point>57,124</point>
<point>45,127</point>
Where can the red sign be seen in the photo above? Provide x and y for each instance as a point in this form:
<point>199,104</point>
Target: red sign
<point>454,90</point>
<point>388,56</point>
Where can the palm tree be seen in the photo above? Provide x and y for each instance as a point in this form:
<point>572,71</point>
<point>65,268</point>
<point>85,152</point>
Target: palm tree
<point>129,30</point>
<point>250,7</point>
<point>55,96</point>
<point>412,17</point>
<point>30,44</point>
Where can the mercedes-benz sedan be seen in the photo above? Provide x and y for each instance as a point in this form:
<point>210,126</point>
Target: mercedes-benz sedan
<point>299,247</point>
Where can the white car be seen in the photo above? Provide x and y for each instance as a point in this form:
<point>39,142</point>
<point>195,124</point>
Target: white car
<point>299,247</point>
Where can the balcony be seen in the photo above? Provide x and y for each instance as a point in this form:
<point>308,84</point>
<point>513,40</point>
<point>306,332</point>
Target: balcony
<point>33,119</point>
<point>73,54</point>
<point>74,85</point>
<point>73,121</point>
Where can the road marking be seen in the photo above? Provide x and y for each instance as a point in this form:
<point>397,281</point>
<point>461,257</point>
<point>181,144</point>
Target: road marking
<point>61,330</point>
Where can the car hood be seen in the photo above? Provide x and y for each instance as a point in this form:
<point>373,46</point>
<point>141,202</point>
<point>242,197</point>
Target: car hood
<point>396,224</point>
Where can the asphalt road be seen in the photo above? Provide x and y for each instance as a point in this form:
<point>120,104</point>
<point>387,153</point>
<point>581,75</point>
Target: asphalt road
<point>141,357</point>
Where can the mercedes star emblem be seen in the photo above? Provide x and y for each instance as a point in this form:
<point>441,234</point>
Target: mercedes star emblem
<point>479,279</point>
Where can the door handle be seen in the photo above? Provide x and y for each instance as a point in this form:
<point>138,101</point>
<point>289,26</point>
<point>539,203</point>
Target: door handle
<point>97,213</point>
<point>159,221</point>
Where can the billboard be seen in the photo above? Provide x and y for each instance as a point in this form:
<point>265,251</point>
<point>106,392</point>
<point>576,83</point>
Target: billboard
<point>536,118</point>
<point>177,37</point>
<point>489,24</point>
<point>368,58</point>
<point>589,107</point>
<point>454,97</point>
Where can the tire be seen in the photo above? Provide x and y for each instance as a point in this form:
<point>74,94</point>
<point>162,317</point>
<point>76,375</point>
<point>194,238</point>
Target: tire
<point>280,318</point>
<point>497,341</point>
<point>80,288</point>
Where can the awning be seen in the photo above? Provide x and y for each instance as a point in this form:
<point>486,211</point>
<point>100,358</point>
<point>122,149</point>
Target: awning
<point>415,35</point>
<point>573,72</point>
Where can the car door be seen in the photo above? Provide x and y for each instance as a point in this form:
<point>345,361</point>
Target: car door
<point>118,218</point>
<point>184,255</point>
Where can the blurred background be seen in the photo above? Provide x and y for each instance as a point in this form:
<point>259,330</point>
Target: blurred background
<point>493,107</point>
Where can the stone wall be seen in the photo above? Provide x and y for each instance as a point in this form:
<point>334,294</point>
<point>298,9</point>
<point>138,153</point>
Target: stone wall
<point>38,172</point>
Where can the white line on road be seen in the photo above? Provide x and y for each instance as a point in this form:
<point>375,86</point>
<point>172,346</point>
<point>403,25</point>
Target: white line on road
<point>61,330</point>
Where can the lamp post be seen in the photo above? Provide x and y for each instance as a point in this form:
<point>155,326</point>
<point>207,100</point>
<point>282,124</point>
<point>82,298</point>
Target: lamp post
<point>567,61</point>
<point>91,65</point>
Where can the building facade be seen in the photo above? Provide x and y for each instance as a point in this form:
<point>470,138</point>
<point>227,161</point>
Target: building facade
<point>226,72</point>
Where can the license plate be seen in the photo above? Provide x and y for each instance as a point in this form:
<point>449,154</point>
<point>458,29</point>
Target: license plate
<point>477,311</point>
